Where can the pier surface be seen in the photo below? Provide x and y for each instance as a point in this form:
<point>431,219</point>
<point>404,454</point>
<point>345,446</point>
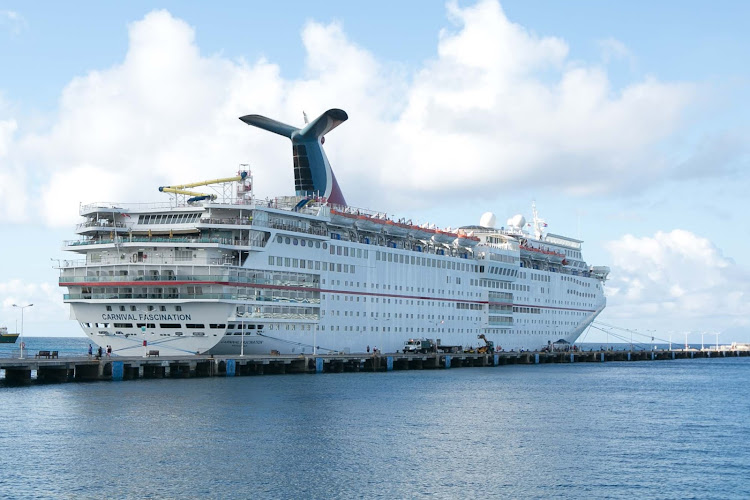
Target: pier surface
<point>75,369</point>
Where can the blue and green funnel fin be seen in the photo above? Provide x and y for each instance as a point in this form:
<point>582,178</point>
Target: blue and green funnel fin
<point>313,175</point>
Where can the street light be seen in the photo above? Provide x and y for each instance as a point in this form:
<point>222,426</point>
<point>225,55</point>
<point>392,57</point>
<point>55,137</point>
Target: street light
<point>22,308</point>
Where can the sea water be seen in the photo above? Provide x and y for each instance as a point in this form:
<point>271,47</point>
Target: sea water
<point>663,429</point>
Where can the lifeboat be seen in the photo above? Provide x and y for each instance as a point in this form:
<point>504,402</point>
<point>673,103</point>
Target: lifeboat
<point>342,218</point>
<point>443,236</point>
<point>423,232</point>
<point>394,228</point>
<point>367,223</point>
<point>466,240</point>
<point>541,254</point>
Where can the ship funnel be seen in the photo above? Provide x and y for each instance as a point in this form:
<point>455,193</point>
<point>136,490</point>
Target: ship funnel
<point>313,175</point>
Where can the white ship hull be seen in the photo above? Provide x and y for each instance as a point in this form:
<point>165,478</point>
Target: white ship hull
<point>232,274</point>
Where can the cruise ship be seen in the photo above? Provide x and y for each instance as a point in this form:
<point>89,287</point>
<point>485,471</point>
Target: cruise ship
<point>219,271</point>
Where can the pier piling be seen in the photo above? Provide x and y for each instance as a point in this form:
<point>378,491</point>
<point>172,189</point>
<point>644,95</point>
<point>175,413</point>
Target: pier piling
<point>27,371</point>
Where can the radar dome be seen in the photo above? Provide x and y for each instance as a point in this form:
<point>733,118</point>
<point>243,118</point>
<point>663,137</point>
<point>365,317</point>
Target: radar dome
<point>517,221</point>
<point>488,219</point>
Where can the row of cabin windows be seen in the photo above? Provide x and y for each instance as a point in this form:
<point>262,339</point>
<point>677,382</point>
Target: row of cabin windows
<point>300,241</point>
<point>168,218</point>
<point>148,308</point>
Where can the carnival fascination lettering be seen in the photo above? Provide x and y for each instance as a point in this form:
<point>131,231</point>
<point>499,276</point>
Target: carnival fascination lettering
<point>149,317</point>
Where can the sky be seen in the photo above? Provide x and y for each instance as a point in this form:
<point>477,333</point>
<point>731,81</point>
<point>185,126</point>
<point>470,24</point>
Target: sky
<point>626,123</point>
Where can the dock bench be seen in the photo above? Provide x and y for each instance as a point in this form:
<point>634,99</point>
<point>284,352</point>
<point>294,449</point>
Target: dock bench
<point>47,354</point>
<point>152,352</point>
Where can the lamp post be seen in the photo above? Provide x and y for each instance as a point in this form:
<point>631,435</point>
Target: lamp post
<point>717,341</point>
<point>22,308</point>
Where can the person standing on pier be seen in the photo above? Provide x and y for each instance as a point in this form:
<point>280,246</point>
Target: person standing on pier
<point>91,351</point>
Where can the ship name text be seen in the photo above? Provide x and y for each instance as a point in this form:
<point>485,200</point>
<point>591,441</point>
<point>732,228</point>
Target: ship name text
<point>146,317</point>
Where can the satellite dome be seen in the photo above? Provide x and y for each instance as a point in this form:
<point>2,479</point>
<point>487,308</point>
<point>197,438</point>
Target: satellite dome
<point>517,221</point>
<point>488,219</point>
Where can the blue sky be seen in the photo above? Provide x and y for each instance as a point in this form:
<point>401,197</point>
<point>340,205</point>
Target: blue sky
<point>627,123</point>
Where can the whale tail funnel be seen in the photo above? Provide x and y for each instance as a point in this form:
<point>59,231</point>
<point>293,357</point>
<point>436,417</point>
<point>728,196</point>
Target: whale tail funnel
<point>313,175</point>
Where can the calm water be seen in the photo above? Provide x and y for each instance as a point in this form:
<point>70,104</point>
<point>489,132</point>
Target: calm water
<point>676,429</point>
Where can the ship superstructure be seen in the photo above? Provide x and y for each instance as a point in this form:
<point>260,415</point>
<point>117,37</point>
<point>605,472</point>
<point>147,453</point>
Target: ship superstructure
<point>227,273</point>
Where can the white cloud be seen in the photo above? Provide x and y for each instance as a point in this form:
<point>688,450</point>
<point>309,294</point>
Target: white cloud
<point>613,49</point>
<point>499,108</point>
<point>12,21</point>
<point>675,281</point>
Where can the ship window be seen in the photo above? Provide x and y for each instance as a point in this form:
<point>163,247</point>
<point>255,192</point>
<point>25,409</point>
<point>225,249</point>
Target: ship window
<point>195,325</point>
<point>123,325</point>
<point>122,308</point>
<point>280,239</point>
<point>178,308</point>
<point>169,325</point>
<point>109,308</point>
<point>302,242</point>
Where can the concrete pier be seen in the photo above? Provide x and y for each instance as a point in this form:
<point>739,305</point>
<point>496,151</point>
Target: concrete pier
<point>119,368</point>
